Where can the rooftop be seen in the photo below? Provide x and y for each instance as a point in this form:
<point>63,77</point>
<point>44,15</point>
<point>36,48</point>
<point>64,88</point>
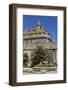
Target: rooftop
<point>37,32</point>
<point>38,29</point>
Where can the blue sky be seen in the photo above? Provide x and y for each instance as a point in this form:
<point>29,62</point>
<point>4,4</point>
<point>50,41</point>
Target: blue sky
<point>48,22</point>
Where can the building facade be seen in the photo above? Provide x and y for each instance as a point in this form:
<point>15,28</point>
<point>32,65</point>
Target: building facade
<point>38,36</point>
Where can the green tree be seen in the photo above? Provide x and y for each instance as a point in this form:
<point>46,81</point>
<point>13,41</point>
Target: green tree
<point>25,59</point>
<point>39,55</point>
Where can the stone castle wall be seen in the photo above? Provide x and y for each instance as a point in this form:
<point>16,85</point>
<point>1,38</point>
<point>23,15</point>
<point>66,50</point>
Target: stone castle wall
<point>52,47</point>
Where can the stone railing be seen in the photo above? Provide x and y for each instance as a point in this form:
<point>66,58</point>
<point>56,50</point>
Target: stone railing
<point>37,36</point>
<point>44,45</point>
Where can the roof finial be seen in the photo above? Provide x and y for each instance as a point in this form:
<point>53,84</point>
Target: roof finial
<point>38,23</point>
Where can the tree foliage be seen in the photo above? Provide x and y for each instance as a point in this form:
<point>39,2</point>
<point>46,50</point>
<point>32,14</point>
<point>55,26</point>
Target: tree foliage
<point>25,59</point>
<point>39,55</point>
